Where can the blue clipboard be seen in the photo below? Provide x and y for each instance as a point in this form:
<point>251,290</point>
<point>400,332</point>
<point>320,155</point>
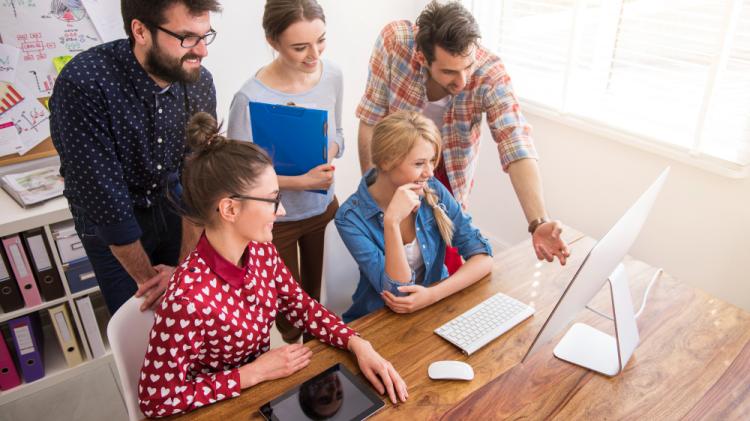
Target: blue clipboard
<point>296,138</point>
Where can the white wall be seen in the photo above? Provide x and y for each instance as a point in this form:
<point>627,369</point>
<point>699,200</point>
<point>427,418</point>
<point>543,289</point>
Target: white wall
<point>698,231</point>
<point>240,50</point>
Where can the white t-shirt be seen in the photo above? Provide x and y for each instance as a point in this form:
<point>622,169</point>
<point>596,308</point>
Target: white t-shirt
<point>414,257</point>
<point>435,110</point>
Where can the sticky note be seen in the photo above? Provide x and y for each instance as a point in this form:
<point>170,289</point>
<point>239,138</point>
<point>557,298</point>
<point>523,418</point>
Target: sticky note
<point>60,62</point>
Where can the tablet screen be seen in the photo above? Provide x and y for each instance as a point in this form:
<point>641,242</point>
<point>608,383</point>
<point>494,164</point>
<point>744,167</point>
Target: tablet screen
<point>335,394</point>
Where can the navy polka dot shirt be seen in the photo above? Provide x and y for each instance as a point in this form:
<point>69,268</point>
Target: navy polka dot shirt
<point>121,138</point>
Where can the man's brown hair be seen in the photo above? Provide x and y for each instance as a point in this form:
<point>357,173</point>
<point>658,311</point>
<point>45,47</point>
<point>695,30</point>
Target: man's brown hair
<point>151,12</point>
<point>449,26</point>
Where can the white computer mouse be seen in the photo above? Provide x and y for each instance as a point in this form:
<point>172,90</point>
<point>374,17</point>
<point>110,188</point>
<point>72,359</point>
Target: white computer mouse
<point>450,370</point>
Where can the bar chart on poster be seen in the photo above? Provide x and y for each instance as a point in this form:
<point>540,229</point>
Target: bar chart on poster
<point>37,38</point>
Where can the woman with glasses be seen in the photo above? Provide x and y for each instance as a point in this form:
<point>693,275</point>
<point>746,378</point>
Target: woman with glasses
<point>296,30</point>
<point>211,334</point>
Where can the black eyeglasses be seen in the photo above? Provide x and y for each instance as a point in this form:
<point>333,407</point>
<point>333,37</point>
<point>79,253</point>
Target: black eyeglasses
<point>275,200</point>
<point>190,41</point>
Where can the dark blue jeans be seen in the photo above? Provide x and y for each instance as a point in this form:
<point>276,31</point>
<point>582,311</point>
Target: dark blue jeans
<point>161,239</point>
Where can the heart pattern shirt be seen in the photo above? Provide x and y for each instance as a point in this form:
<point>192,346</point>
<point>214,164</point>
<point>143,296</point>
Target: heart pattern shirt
<point>217,316</point>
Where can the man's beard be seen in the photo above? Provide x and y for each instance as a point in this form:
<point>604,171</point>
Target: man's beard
<point>169,68</point>
<point>446,89</point>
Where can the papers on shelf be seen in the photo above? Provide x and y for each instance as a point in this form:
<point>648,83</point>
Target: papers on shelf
<point>34,186</point>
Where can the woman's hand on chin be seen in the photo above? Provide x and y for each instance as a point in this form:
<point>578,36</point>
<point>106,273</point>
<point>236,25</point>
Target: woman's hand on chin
<point>403,203</point>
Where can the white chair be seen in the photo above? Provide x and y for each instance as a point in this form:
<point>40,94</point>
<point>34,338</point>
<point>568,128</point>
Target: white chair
<point>128,331</point>
<point>340,273</point>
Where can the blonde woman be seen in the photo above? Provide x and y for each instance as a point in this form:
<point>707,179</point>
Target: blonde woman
<point>399,221</point>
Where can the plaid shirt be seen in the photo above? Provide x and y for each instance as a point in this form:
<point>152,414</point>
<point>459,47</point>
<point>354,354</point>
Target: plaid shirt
<point>397,81</point>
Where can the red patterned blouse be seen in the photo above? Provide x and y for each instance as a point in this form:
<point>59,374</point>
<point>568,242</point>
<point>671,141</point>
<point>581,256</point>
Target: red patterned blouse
<point>216,317</point>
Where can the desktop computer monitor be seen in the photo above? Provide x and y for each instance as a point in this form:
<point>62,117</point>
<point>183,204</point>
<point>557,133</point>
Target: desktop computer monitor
<point>582,344</point>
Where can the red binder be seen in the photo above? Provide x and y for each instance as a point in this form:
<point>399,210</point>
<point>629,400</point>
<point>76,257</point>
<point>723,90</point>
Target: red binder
<point>22,270</point>
<point>8,374</point>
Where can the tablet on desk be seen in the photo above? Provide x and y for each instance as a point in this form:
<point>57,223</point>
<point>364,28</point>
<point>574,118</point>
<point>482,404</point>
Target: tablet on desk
<point>335,394</point>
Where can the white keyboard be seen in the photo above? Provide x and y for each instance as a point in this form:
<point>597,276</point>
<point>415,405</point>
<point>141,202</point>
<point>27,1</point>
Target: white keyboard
<point>484,322</point>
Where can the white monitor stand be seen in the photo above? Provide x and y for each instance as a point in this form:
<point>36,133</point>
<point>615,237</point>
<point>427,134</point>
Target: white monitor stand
<point>589,347</point>
<point>582,344</point>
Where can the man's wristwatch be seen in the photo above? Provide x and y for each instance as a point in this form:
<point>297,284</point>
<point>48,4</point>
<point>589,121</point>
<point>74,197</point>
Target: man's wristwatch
<point>533,225</point>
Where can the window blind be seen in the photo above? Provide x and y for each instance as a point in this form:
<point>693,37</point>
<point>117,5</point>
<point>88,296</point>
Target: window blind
<point>673,72</point>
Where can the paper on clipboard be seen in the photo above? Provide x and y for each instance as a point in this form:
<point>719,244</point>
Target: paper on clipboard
<point>296,138</point>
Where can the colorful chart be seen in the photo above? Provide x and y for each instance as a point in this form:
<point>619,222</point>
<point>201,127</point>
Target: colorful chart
<point>9,97</point>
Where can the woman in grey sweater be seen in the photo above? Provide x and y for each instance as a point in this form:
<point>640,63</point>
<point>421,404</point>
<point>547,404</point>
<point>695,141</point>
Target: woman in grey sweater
<point>298,76</point>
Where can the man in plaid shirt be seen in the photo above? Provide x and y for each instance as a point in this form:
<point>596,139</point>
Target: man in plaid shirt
<point>437,67</point>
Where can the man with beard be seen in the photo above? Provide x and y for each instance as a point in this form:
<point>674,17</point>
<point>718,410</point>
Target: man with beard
<point>437,67</point>
<point>119,112</point>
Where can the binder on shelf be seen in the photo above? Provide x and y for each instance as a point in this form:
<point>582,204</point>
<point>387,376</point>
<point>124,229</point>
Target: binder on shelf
<point>91,326</point>
<point>28,340</point>
<point>40,257</point>
<point>80,275</point>
<point>65,335</point>
<point>68,243</point>
<point>10,295</point>
<point>8,373</point>
<point>21,270</point>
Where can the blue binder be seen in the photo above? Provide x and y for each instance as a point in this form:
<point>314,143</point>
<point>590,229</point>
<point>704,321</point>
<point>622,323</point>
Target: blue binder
<point>296,138</point>
<point>28,341</point>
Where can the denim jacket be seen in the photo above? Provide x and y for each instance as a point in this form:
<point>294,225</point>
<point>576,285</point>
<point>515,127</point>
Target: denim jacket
<point>360,224</point>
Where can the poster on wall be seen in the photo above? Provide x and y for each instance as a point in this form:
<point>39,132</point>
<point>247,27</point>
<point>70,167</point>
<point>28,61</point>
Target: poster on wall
<point>28,115</point>
<point>37,38</point>
<point>8,62</point>
<point>107,18</point>
<point>43,30</point>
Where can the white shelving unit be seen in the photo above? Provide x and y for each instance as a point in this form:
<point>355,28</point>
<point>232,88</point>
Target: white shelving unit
<point>15,219</point>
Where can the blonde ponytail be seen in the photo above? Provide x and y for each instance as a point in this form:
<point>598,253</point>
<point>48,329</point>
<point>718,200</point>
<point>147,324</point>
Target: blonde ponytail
<point>444,223</point>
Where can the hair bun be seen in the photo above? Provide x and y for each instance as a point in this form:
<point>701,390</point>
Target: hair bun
<point>203,132</point>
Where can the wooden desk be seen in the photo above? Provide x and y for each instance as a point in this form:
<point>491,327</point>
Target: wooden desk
<point>693,360</point>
